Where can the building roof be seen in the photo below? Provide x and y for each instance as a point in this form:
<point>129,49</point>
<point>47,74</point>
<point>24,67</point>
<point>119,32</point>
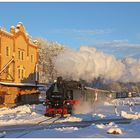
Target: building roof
<point>19,28</point>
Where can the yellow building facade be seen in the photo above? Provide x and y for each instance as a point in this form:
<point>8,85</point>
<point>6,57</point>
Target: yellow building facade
<point>18,67</point>
<point>18,56</point>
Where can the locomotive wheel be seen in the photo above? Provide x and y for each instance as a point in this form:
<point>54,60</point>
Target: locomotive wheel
<point>49,115</point>
<point>45,115</point>
<point>70,109</point>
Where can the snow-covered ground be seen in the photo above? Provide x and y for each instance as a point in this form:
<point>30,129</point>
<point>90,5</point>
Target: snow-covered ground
<point>32,114</point>
<point>21,115</point>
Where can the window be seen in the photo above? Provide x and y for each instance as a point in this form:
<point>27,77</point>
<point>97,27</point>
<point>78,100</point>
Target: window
<point>21,73</point>
<point>7,51</point>
<point>21,54</point>
<point>32,58</point>
<point>18,54</point>
<point>18,73</point>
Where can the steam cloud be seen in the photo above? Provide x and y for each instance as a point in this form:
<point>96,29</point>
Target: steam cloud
<point>88,63</point>
<point>83,108</point>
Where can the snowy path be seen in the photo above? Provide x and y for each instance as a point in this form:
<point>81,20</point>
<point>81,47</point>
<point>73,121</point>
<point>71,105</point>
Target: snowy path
<point>21,127</point>
<point>29,128</point>
<point>63,124</point>
<point>98,130</point>
<point>23,121</point>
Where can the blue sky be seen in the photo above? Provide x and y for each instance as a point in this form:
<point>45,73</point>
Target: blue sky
<point>113,28</point>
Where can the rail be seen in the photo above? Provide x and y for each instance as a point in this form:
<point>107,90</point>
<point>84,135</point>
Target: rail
<point>27,131</point>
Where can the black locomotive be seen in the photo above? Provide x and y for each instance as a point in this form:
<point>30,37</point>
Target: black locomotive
<point>59,97</point>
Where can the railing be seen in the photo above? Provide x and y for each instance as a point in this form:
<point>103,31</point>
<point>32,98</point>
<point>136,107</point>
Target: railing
<point>6,65</point>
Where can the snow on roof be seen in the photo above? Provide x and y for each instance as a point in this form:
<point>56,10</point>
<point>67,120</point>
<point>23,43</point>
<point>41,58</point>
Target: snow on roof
<point>12,27</point>
<point>21,84</point>
<point>27,34</point>
<point>20,23</point>
<point>96,89</point>
<point>6,32</point>
<point>16,30</point>
<point>33,42</point>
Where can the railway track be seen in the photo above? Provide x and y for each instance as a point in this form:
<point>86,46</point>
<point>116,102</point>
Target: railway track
<point>26,129</point>
<point>86,123</point>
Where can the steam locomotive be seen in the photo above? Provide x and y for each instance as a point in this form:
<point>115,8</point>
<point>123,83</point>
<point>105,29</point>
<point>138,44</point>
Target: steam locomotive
<point>59,98</point>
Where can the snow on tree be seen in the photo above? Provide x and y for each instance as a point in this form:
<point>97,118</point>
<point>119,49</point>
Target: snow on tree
<point>47,54</point>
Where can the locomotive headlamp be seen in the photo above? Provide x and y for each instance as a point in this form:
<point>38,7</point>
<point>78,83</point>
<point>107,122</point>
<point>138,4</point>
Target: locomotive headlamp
<point>55,81</point>
<point>68,103</point>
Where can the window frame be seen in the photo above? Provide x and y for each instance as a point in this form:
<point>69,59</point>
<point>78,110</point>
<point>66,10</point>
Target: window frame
<point>21,54</point>
<point>32,58</point>
<point>7,51</point>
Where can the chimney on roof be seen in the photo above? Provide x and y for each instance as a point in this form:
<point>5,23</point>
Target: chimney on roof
<point>20,27</point>
<point>12,30</point>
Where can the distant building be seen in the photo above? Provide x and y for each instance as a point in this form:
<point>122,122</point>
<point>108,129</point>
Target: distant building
<point>18,64</point>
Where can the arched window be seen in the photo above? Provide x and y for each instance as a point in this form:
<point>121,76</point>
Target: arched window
<point>21,72</point>
<point>21,54</point>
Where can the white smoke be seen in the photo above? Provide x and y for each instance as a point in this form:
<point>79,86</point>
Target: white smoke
<point>83,108</point>
<point>88,63</point>
<point>132,70</point>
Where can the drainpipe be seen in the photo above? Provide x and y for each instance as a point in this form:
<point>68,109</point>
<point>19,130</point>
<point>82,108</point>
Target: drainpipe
<point>36,74</point>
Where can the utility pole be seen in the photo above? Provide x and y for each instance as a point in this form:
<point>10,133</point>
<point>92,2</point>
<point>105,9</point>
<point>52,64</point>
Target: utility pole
<point>95,100</point>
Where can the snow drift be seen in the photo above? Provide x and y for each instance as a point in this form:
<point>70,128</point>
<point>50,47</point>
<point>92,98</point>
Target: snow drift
<point>25,114</point>
<point>114,131</point>
<point>88,63</point>
<point>130,116</point>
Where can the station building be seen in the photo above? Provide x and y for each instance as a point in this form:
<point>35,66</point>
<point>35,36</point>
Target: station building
<point>18,66</point>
